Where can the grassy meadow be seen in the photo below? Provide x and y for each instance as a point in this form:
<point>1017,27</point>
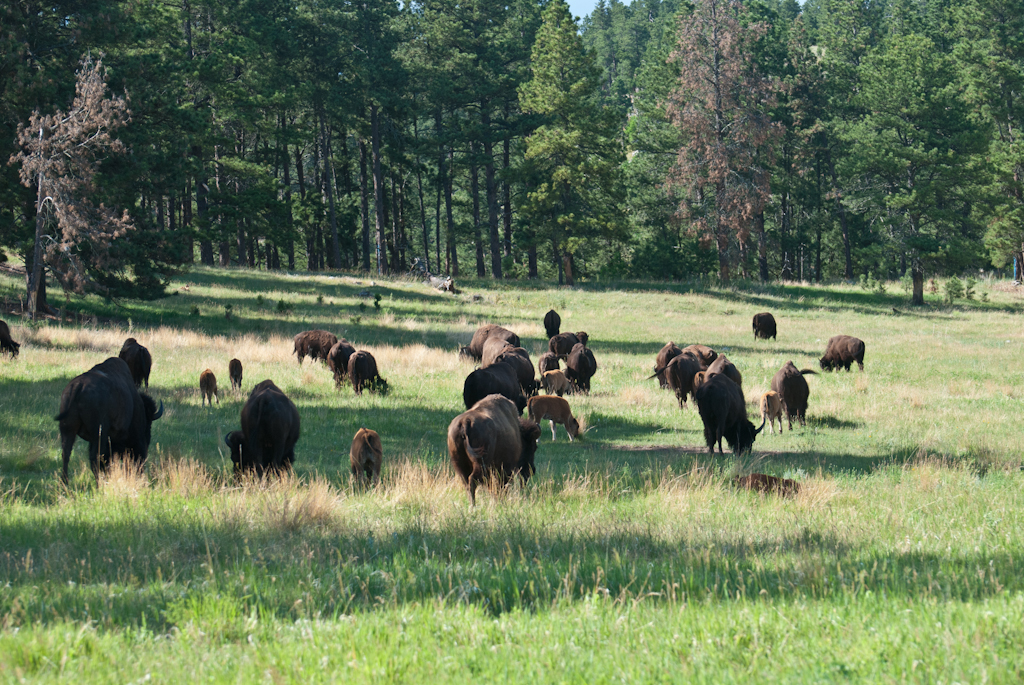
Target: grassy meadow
<point>628,558</point>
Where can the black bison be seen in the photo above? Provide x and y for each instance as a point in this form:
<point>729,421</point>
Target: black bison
<point>843,350</point>
<point>763,483</point>
<point>547,362</point>
<point>362,373</point>
<point>581,367</point>
<point>491,440</point>
<point>680,373</point>
<point>519,359</point>
<point>493,348</point>
<point>764,326</point>
<point>561,345</point>
<point>7,344</point>
<point>337,360</point>
<point>138,360</point>
<point>705,354</point>
<point>724,414</point>
<point>366,455</point>
<point>665,355</point>
<point>208,387</point>
<point>270,429</point>
<point>583,337</point>
<point>235,372</point>
<point>792,387</point>
<point>104,407</point>
<point>497,379</point>
<point>552,323</point>
<point>475,349</point>
<point>722,366</point>
<point>314,344</point>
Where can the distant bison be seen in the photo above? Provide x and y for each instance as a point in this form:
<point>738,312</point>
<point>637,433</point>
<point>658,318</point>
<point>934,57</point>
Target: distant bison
<point>792,387</point>
<point>235,371</point>
<point>772,407</point>
<point>581,367</point>
<point>764,326</point>
<point>547,362</point>
<point>7,344</point>
<point>519,359</point>
<point>724,414</point>
<point>552,323</point>
<point>337,360</point>
<point>366,455</point>
<point>270,429</point>
<point>665,355</point>
<point>491,440</point>
<point>475,349</point>
<point>705,354</point>
<point>314,344</point>
<point>561,345</point>
<point>138,360</point>
<point>760,482</point>
<point>843,350</point>
<point>500,379</point>
<point>362,373</point>
<point>104,407</point>
<point>208,387</point>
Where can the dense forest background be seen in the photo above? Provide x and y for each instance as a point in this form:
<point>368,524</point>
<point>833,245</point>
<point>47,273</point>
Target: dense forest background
<point>656,139</point>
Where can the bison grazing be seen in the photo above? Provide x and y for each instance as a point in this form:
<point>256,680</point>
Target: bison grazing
<point>561,345</point>
<point>764,326</point>
<point>724,414</point>
<point>680,373</point>
<point>362,373</point>
<point>581,367</point>
<point>105,408</point>
<point>235,371</point>
<point>547,362</point>
<point>138,360</point>
<point>366,455</point>
<point>314,344</point>
<point>208,387</point>
<point>555,410</point>
<point>555,382</point>
<point>772,407</point>
<point>497,379</point>
<point>763,483</point>
<point>519,359</point>
<point>843,350</point>
<point>7,345</point>
<point>491,440</point>
<point>789,382</point>
<point>270,429</point>
<point>493,348</point>
<point>705,354</point>
<point>337,360</point>
<point>552,323</point>
<point>475,349</point>
<point>666,354</point>
<point>722,366</point>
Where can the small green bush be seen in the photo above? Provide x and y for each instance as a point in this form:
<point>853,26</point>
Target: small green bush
<point>954,289</point>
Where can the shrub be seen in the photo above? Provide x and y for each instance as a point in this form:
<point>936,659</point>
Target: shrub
<point>953,289</point>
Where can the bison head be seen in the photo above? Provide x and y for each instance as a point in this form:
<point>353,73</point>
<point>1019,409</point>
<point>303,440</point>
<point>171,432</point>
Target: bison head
<point>529,432</point>
<point>234,440</point>
<point>464,352</point>
<point>572,427</point>
<point>826,363</point>
<point>745,434</point>
<point>379,386</point>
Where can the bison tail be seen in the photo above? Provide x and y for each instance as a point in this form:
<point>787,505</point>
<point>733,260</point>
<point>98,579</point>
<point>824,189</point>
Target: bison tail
<point>806,372</point>
<point>656,372</point>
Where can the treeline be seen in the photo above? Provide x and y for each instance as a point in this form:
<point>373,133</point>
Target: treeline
<point>505,140</point>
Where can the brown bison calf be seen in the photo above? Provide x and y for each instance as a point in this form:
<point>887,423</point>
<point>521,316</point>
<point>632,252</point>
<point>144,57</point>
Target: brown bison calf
<point>362,373</point>
<point>760,482</point>
<point>552,323</point>
<point>138,360</point>
<point>366,455</point>
<point>843,350</point>
<point>555,383</point>
<point>772,408</point>
<point>235,372</point>
<point>208,387</point>
<point>7,345</point>
<point>491,440</point>
<point>555,410</point>
<point>314,344</point>
<point>764,326</point>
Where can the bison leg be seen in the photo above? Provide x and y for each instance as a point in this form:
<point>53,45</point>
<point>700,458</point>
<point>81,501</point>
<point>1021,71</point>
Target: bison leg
<point>67,442</point>
<point>476,477</point>
<point>552,422</point>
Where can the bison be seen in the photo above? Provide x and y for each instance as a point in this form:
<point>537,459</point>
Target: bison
<point>235,371</point>
<point>138,360</point>
<point>722,366</point>
<point>552,323</point>
<point>7,344</point>
<point>337,360</point>
<point>561,345</point>
<point>555,410</point>
<point>547,362</point>
<point>581,367</point>
<point>491,440</point>
<point>519,359</point>
<point>475,349</point>
<point>270,429</point>
<point>555,382</point>
<point>362,373</point>
<point>583,337</point>
<point>724,414</point>
<point>792,387</point>
<point>843,350</point>
<point>208,387</point>
<point>680,373</point>
<point>314,344</point>
<point>705,354</point>
<point>665,355</point>
<point>493,348</point>
<point>763,483</point>
<point>500,379</point>
<point>764,326</point>
<point>104,407</point>
<point>366,455</point>
<point>772,407</point>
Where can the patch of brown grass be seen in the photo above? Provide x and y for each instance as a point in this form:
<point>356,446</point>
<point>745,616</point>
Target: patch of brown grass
<point>184,477</point>
<point>124,480</point>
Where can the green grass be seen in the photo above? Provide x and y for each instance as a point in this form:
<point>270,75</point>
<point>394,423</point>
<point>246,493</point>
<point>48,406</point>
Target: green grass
<point>627,558</point>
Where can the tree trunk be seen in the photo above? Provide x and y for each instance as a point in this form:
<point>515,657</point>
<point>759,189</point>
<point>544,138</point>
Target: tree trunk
<point>325,143</point>
<point>364,204</point>
<point>423,208</point>
<point>917,274</point>
<point>452,246</point>
<point>378,191</point>
<point>36,282</point>
<point>492,192</point>
<point>843,221</point>
<point>762,246</point>
<point>474,189</point>
<point>397,234</point>
<point>440,184</point>
<point>531,258</point>
<point>507,192</point>
<point>558,261</point>
<point>289,243</point>
<point>569,263</point>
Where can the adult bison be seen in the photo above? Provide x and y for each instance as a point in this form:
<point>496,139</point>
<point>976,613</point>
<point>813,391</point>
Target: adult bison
<point>337,360</point>
<point>764,326</point>
<point>235,372</point>
<point>666,354</point>
<point>561,345</point>
<point>519,359</point>
<point>724,414</point>
<point>104,407</point>
<point>497,379</point>
<point>138,360</point>
<point>552,323</point>
<point>722,366</point>
<point>314,344</point>
<point>547,362</point>
<point>792,387</point>
<point>7,344</point>
<point>843,350</point>
<point>491,440</point>
<point>705,354</point>
<point>680,374</point>
<point>362,373</point>
<point>581,367</point>
<point>493,348</point>
<point>270,429</point>
<point>475,349</point>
